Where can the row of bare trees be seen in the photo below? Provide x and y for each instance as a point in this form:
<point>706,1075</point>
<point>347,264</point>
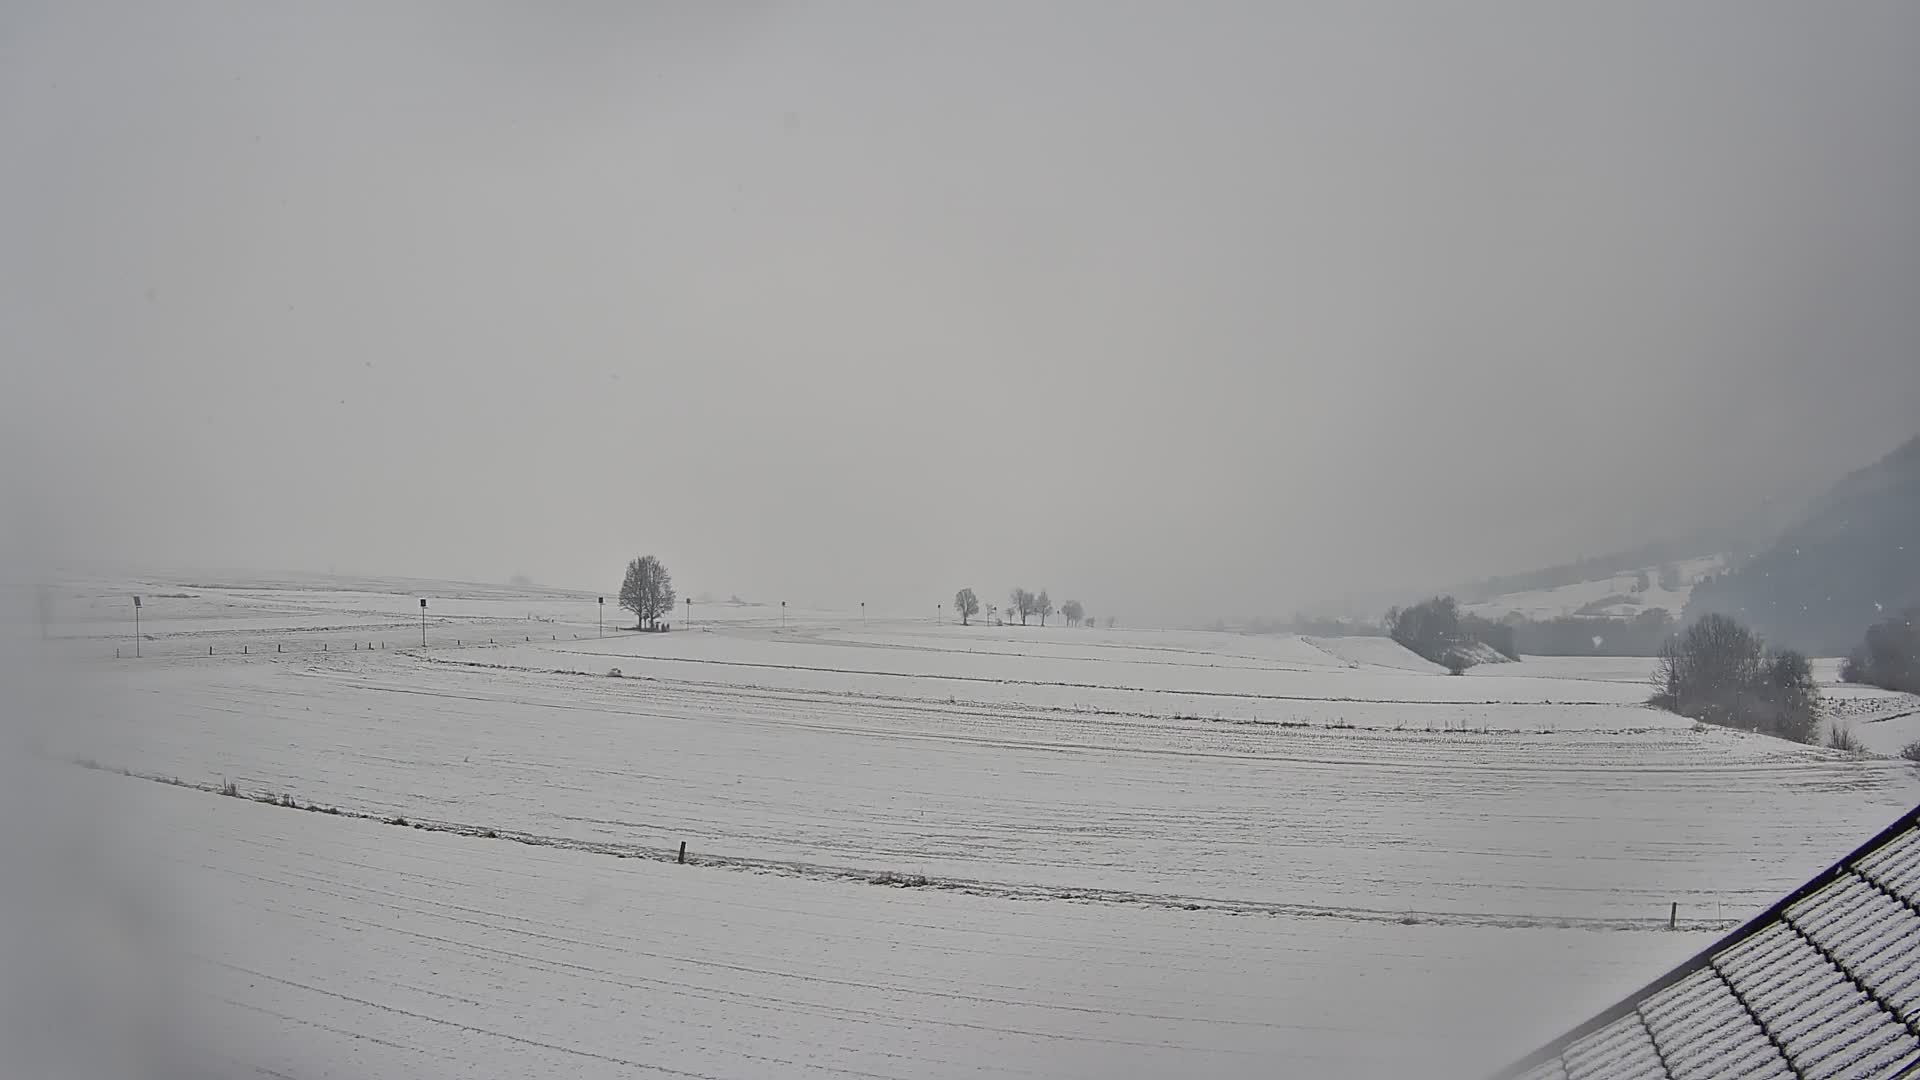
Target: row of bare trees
<point>1023,605</point>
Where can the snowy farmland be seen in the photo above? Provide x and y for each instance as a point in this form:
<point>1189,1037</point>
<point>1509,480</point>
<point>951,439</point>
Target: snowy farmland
<point>914,849</point>
<point>1591,596</point>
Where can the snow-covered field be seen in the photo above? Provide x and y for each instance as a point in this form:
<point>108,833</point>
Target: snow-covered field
<point>1110,852</point>
<point>1571,599</point>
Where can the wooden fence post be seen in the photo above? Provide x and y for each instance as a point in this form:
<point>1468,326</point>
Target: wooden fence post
<point>683,851</point>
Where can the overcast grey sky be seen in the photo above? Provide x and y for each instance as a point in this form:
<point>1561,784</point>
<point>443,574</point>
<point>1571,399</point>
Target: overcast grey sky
<point>1180,309</point>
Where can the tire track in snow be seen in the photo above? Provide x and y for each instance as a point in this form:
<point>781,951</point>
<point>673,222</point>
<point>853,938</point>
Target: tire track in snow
<point>469,1028</point>
<point>971,886</point>
<point>1224,694</point>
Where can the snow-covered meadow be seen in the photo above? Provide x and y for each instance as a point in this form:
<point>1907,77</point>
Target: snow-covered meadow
<point>915,848</point>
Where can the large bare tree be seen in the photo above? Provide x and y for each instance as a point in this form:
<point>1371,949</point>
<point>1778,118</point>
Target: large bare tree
<point>647,591</point>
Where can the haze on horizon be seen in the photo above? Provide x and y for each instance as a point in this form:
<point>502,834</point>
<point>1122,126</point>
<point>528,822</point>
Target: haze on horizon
<point>1181,311</point>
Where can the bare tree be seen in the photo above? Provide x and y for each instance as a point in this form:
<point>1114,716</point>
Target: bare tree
<point>1020,602</point>
<point>647,591</point>
<point>1042,607</point>
<point>967,604</point>
<point>1430,628</point>
<point>1709,670</point>
<point>1072,612</point>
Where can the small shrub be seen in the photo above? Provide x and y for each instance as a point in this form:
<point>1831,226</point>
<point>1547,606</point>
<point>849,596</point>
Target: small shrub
<point>1843,738</point>
<point>230,790</point>
<point>1911,751</point>
<point>1457,663</point>
<point>491,835</point>
<point>397,820</point>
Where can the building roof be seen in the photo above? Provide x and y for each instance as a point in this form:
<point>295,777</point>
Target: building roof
<point>1824,984</point>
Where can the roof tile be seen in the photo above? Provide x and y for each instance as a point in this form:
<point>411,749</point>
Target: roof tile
<point>1825,985</point>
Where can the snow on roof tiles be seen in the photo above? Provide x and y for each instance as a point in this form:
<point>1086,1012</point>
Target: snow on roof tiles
<point>1824,985</point>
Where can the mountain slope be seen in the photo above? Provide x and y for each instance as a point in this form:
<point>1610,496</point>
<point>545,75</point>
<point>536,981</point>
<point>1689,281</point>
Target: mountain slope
<point>1850,559</point>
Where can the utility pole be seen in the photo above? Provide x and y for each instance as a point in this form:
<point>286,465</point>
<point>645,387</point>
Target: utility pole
<point>863,614</point>
<point>603,616</point>
<point>423,622</point>
<point>136,627</point>
<point>939,613</point>
<point>783,614</point>
<point>689,612</point>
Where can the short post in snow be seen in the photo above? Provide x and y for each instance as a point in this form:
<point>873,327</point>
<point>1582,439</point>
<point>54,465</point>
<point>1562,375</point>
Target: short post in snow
<point>783,614</point>
<point>1673,916</point>
<point>683,852</point>
<point>689,612</point>
<point>423,622</point>
<point>136,627</point>
<point>603,616</point>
